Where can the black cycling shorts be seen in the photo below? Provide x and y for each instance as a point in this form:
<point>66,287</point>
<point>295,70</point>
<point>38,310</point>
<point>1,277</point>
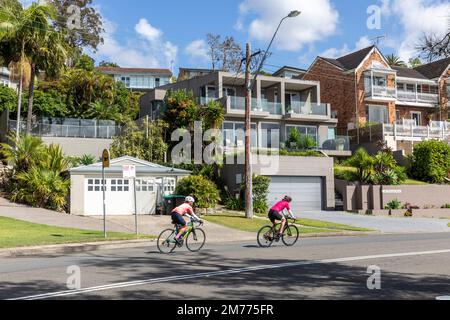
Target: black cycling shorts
<point>275,215</point>
<point>178,219</point>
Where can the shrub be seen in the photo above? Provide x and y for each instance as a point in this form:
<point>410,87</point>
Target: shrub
<point>430,161</point>
<point>446,206</point>
<point>394,205</point>
<point>260,192</point>
<point>299,142</point>
<point>235,204</point>
<point>203,190</point>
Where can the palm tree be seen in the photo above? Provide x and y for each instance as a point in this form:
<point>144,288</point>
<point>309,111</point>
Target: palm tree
<point>395,61</point>
<point>24,153</point>
<point>28,34</point>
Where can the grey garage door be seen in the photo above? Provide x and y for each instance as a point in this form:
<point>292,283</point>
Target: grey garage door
<point>306,192</point>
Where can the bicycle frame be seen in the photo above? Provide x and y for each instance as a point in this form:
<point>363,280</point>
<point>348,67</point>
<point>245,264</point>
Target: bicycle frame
<point>191,229</point>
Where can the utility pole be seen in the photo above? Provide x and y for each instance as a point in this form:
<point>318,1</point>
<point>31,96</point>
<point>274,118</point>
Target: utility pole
<point>248,164</point>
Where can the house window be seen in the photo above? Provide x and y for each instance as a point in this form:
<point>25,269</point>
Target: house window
<point>400,86</point>
<point>144,185</point>
<point>270,135</point>
<point>377,114</point>
<point>169,185</point>
<point>410,88</point>
<point>126,81</point>
<point>229,92</point>
<point>94,185</point>
<point>303,130</point>
<point>416,117</point>
<point>379,81</point>
<point>397,116</point>
<point>233,134</point>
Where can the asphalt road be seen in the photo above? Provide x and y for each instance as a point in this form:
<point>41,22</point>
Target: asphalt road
<point>413,266</point>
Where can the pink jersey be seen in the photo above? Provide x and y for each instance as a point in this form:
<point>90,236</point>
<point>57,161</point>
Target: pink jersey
<point>184,209</point>
<point>280,206</point>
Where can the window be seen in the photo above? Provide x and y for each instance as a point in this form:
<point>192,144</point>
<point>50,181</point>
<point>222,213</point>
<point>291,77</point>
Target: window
<point>416,117</point>
<point>145,185</point>
<point>94,185</point>
<point>120,185</point>
<point>410,87</point>
<point>400,86</point>
<point>377,114</point>
<point>233,134</point>
<point>303,130</point>
<point>126,81</point>
<point>229,92</point>
<point>270,135</point>
<point>169,185</point>
<point>379,81</point>
<point>397,116</point>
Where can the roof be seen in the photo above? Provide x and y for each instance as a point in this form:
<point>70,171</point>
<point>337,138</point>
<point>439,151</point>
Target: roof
<point>434,69</point>
<point>352,60</point>
<point>142,166</point>
<point>197,70</point>
<point>289,68</point>
<point>405,72</point>
<point>134,70</point>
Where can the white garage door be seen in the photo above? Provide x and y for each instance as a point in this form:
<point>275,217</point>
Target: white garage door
<point>305,191</point>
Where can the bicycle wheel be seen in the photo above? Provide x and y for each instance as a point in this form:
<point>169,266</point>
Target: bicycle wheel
<point>196,240</point>
<point>290,236</point>
<point>166,241</point>
<point>265,237</point>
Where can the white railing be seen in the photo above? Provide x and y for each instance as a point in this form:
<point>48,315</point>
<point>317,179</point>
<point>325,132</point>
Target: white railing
<point>417,132</point>
<point>68,131</point>
<point>382,91</point>
<point>417,97</point>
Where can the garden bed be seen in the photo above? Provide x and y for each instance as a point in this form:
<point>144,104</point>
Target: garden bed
<point>416,213</point>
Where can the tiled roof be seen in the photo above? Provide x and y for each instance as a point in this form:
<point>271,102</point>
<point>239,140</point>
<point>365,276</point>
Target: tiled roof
<point>434,69</point>
<point>408,73</point>
<point>352,60</point>
<point>134,70</point>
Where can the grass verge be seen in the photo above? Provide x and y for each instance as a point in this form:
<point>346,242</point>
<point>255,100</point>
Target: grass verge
<point>16,233</point>
<point>239,222</point>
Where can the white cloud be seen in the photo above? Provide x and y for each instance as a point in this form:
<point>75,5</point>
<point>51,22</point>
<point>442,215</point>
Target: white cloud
<point>416,18</point>
<point>151,52</point>
<point>197,50</point>
<point>146,30</point>
<point>318,20</point>
<point>362,43</point>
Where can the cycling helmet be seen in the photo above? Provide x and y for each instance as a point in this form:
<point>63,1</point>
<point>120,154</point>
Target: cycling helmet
<point>189,199</point>
<point>287,198</point>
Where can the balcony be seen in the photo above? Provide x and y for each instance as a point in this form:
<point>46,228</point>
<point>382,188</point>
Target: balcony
<point>381,93</point>
<point>413,132</point>
<point>416,97</point>
<point>308,111</point>
<point>260,108</point>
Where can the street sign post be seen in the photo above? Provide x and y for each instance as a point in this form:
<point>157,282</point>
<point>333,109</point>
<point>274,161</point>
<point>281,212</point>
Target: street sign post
<point>129,172</point>
<point>105,164</point>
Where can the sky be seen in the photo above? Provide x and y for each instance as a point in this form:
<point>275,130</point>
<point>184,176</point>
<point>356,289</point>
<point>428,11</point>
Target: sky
<point>171,33</point>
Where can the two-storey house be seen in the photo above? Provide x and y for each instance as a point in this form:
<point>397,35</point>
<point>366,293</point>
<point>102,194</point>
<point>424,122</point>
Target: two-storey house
<point>139,79</point>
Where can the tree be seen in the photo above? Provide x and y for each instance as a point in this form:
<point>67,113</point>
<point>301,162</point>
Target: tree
<point>80,22</point>
<point>104,63</point>
<point>85,62</point>
<point>414,62</point>
<point>225,55</point>
<point>23,153</point>
<point>430,161</point>
<point>395,61</point>
<point>8,98</point>
<point>434,47</point>
<point>203,190</point>
<point>145,141</point>
<point>100,111</point>
<point>30,37</point>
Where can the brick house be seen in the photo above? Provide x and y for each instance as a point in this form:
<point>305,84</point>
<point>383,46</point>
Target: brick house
<point>363,89</point>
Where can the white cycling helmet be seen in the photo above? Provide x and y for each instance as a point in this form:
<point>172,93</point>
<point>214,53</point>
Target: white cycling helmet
<point>189,199</point>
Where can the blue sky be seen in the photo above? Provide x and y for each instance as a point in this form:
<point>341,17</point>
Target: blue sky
<point>142,33</point>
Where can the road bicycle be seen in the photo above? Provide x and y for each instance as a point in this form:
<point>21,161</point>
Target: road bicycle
<point>267,235</point>
<point>194,238</point>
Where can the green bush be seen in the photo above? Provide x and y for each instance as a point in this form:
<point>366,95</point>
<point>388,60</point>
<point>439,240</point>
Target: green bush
<point>446,206</point>
<point>260,192</point>
<point>203,190</point>
<point>299,142</point>
<point>430,161</point>
<point>8,99</point>
<point>235,204</point>
<point>394,205</point>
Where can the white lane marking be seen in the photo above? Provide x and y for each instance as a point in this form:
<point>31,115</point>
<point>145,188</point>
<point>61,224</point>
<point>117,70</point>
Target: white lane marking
<point>224,272</point>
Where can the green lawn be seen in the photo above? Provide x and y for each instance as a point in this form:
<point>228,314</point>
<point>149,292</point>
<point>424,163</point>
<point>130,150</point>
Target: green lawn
<point>16,233</point>
<point>239,222</point>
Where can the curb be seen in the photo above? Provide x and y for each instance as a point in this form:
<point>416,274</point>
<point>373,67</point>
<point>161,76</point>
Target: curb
<point>109,245</point>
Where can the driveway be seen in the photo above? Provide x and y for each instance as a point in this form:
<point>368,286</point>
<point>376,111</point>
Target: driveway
<point>383,224</point>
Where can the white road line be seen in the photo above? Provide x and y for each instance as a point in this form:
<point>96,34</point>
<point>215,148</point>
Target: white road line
<point>224,272</point>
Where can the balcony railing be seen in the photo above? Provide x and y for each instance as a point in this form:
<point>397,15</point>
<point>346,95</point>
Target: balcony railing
<point>238,103</point>
<point>417,132</point>
<point>409,96</point>
<point>68,131</point>
<point>381,91</point>
<point>340,143</point>
<point>319,109</point>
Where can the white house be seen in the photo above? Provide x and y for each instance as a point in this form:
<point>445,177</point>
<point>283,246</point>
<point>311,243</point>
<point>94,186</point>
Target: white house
<point>152,182</point>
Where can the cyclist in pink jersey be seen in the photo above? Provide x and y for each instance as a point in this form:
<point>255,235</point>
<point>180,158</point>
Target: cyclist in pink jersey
<point>276,213</point>
<point>178,216</point>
